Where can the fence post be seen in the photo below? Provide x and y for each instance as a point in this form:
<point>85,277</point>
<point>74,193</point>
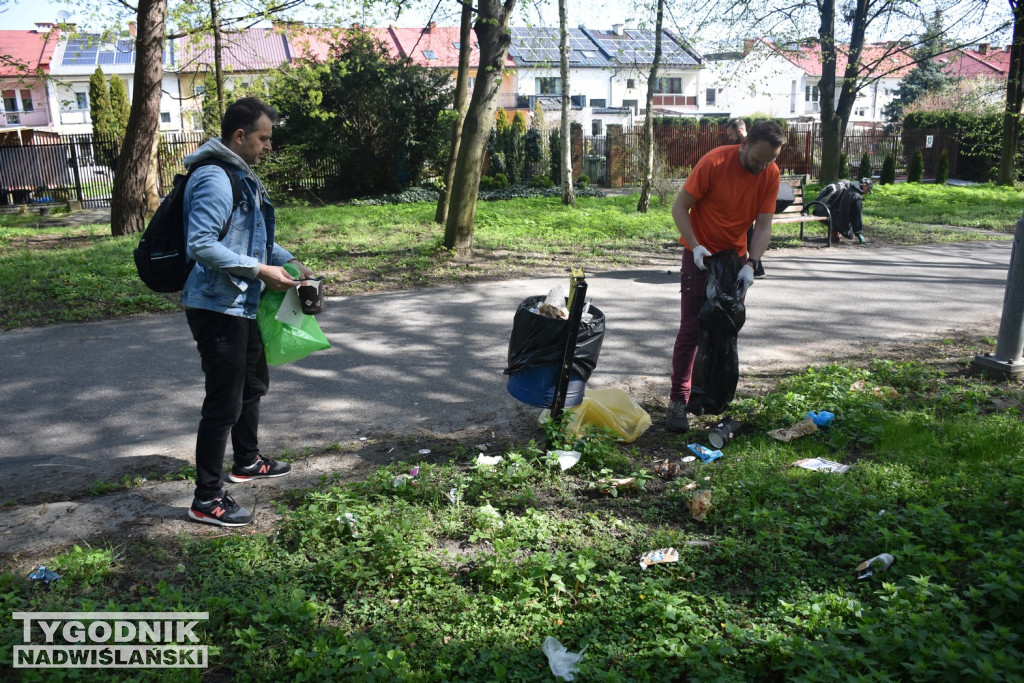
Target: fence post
<point>616,154</point>
<point>75,172</point>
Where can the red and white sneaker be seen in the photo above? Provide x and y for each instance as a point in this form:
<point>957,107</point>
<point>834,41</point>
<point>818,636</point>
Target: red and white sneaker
<point>263,468</point>
<point>222,511</point>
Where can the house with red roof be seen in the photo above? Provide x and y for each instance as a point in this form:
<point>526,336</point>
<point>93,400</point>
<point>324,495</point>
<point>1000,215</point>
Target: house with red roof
<point>25,58</point>
<point>982,70</point>
<point>247,56</point>
<point>782,80</point>
<point>432,46</point>
<point>438,47</point>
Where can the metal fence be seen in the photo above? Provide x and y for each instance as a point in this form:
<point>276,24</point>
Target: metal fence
<point>82,166</point>
<point>680,147</point>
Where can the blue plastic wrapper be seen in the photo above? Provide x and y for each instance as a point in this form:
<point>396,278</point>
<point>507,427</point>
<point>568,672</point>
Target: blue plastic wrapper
<point>821,419</point>
<point>705,454</point>
<point>43,574</point>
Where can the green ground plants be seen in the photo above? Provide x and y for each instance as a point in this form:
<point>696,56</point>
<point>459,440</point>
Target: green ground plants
<point>459,572</point>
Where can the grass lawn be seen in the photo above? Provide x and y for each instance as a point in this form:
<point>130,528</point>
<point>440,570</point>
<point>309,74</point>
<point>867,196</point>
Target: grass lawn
<point>460,572</point>
<point>81,274</point>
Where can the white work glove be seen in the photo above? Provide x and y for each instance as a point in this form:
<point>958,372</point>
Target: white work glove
<point>744,279</point>
<point>698,257</point>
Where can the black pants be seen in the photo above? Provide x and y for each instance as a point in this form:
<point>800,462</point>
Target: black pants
<point>235,366</point>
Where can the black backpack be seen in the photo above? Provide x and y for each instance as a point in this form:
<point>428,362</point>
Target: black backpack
<point>160,257</point>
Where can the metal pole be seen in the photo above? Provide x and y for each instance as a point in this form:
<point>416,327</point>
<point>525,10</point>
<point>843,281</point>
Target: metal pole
<point>577,294</point>
<point>1007,362</point>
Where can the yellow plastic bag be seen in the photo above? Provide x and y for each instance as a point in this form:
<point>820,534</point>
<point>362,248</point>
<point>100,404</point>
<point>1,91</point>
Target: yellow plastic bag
<point>611,408</point>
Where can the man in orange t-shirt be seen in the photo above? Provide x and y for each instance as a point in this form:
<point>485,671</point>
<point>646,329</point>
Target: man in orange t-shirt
<point>730,188</point>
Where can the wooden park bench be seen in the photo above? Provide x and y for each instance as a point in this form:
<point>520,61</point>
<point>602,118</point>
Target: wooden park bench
<point>799,210</point>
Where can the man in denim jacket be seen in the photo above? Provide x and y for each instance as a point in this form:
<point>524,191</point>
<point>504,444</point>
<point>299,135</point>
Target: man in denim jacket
<point>221,296</point>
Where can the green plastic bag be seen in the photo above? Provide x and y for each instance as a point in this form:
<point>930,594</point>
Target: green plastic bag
<point>284,343</point>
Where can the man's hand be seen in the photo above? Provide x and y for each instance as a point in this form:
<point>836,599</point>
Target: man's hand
<point>745,278</point>
<point>277,278</point>
<point>698,257</point>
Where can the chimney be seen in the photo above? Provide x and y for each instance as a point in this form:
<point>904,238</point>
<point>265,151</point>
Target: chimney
<point>430,27</point>
<point>617,29</point>
<point>983,48</point>
<point>44,25</point>
<point>131,28</point>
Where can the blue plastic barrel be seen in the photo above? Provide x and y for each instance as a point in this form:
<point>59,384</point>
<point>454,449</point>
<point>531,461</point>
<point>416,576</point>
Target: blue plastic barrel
<point>536,386</point>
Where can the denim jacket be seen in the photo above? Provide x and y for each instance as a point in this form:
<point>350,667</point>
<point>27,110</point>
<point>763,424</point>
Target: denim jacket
<point>224,277</point>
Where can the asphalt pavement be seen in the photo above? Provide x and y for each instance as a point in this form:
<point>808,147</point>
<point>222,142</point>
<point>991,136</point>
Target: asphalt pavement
<point>82,402</point>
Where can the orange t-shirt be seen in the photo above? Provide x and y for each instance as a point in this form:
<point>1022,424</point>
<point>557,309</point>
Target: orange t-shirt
<point>729,197</point>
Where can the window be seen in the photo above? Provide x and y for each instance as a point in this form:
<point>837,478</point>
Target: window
<point>792,98</point>
<point>630,83</point>
<point>470,83</point>
<point>165,117</point>
<point>596,127</point>
<point>710,96</point>
<point>672,86</point>
<point>81,100</point>
<point>598,104</point>
<point>578,101</point>
<point>10,101</point>
<point>811,97</point>
<point>457,44</point>
<point>588,54</point>
<point>549,86</point>
<point>198,89</point>
<point>429,54</point>
<point>632,104</point>
<point>862,111</point>
<point>26,101</point>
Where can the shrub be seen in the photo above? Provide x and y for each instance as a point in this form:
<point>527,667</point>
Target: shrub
<point>495,182</point>
<point>888,171</point>
<point>583,182</point>
<point>916,170</point>
<point>942,169</point>
<point>865,169</point>
<point>844,166</point>
<point>555,147</point>
<point>541,181</point>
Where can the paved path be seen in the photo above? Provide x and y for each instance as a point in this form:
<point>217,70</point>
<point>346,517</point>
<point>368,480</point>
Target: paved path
<point>82,402</point>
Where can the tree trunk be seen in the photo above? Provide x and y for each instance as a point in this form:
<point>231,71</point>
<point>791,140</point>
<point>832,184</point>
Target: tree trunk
<point>645,189</point>
<point>1014,99</point>
<point>568,195</point>
<point>152,201</point>
<point>830,139</point>
<point>494,40</point>
<point>128,207</point>
<point>218,62</point>
<point>835,115</point>
<point>461,90</point>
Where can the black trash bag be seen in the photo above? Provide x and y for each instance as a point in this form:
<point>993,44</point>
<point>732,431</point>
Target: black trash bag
<point>538,340</point>
<point>716,369</point>
<point>784,198</point>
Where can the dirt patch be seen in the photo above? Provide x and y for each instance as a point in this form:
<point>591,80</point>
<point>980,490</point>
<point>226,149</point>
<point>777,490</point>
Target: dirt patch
<point>48,242</point>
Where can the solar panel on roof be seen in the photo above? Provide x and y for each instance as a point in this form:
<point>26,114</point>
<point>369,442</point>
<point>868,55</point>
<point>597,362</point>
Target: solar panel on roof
<point>105,58</point>
<point>79,52</point>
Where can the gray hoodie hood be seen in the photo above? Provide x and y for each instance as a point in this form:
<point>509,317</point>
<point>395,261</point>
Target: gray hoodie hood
<point>215,149</point>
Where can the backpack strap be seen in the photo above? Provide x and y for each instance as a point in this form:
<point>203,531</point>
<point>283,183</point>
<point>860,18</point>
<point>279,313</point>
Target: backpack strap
<point>236,188</point>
